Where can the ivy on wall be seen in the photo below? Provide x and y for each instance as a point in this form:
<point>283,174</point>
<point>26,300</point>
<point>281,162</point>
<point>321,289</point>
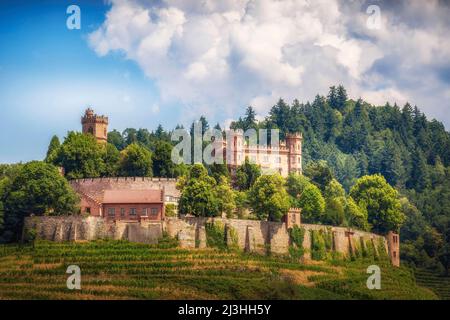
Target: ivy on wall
<point>318,247</point>
<point>297,235</point>
<point>216,236</point>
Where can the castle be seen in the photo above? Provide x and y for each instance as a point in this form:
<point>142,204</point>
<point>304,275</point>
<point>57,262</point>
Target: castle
<point>283,159</point>
<point>134,208</point>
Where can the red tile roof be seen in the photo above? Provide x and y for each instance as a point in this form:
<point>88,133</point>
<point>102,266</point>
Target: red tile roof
<point>133,196</point>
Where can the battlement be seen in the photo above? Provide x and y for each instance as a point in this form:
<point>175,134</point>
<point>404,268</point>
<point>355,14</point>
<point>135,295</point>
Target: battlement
<point>296,135</point>
<point>94,119</point>
<point>122,179</point>
<point>97,186</point>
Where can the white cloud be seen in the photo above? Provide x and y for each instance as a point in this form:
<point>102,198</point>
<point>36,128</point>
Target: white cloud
<point>216,57</point>
<point>155,108</point>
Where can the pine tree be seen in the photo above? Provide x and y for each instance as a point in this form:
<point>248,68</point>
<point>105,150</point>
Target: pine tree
<point>391,163</point>
<point>332,97</point>
<point>341,98</point>
<point>250,119</point>
<point>419,177</point>
<point>52,149</point>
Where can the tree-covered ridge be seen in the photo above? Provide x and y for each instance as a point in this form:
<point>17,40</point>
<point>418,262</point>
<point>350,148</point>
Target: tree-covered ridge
<point>356,138</point>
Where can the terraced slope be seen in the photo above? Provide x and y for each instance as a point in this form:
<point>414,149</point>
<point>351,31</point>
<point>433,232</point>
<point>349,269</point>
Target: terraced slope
<point>439,284</point>
<point>123,270</point>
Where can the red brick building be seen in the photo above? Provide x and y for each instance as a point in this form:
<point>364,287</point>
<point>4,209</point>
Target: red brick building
<point>125,204</point>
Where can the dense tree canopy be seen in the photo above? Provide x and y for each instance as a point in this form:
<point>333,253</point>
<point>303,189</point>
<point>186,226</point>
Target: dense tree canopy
<point>198,196</point>
<point>268,197</point>
<point>381,201</point>
<point>247,174</point>
<point>312,204</point>
<point>81,156</point>
<point>135,161</point>
<point>38,189</point>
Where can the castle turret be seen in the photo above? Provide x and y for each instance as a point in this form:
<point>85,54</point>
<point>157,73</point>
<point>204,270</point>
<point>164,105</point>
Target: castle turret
<point>294,146</point>
<point>95,125</point>
<point>235,149</point>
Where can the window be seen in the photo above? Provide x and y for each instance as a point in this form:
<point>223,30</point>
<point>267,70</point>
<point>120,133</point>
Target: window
<point>299,160</point>
<point>132,211</point>
<point>266,159</point>
<point>144,212</point>
<point>154,211</point>
<point>122,212</point>
<point>278,160</point>
<point>111,212</point>
<point>88,209</point>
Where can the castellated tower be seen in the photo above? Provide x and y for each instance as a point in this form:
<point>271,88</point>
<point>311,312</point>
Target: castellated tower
<point>234,150</point>
<point>294,146</point>
<point>95,125</point>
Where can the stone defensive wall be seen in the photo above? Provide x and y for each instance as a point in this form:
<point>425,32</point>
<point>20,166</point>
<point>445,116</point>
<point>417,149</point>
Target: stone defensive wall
<point>79,228</point>
<point>96,186</point>
<point>261,236</point>
<point>192,232</point>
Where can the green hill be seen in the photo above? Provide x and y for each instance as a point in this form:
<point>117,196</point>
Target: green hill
<point>439,284</point>
<point>123,270</point>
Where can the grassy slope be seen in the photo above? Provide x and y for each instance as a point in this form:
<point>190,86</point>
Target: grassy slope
<point>122,270</point>
<point>437,283</point>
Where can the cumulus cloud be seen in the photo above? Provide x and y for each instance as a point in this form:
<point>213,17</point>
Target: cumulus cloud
<point>215,57</point>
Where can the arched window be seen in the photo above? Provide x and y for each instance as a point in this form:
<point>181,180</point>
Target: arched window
<point>91,130</point>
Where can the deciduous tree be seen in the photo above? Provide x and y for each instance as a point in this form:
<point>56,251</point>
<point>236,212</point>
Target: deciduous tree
<point>381,201</point>
<point>268,198</point>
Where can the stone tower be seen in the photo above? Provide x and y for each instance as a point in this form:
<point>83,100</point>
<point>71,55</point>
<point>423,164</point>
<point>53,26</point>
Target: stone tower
<point>234,150</point>
<point>294,146</point>
<point>393,241</point>
<point>95,125</point>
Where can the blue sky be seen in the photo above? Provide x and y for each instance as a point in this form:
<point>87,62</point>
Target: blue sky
<point>147,62</point>
<point>49,75</point>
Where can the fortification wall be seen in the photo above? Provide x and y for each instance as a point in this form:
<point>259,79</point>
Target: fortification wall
<point>96,186</point>
<point>78,228</point>
<point>260,236</point>
<point>248,235</point>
